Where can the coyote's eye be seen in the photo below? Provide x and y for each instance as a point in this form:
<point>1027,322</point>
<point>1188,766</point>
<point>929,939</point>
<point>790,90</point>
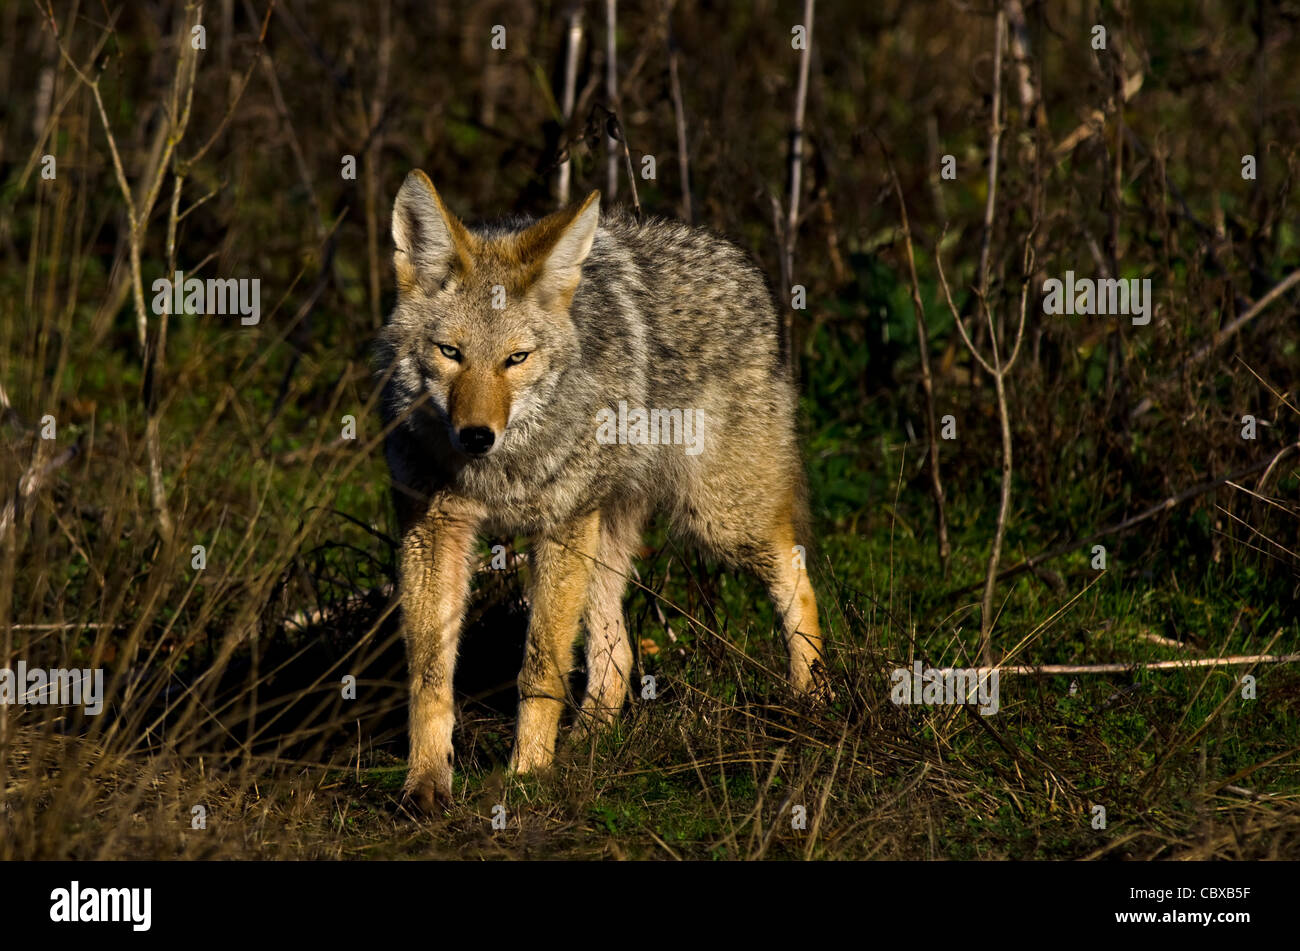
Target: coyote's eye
<point>451,353</point>
<point>516,358</point>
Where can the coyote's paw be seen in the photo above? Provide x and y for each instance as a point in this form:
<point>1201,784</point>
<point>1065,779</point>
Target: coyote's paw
<point>816,687</point>
<point>428,793</point>
<point>530,758</point>
<point>822,692</point>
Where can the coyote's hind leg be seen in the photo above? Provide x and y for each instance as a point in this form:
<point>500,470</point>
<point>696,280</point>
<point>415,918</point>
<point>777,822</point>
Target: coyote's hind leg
<point>782,567</point>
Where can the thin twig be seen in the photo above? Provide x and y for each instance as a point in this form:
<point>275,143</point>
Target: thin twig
<point>1095,122</point>
<point>570,90</point>
<point>611,93</point>
<point>1053,670</point>
<point>927,379</point>
<point>995,140</point>
<point>243,84</point>
<point>679,114</point>
<point>1255,310</point>
<point>621,136</point>
<point>796,154</point>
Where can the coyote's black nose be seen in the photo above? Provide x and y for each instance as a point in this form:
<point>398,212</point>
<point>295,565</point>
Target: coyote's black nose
<point>476,440</point>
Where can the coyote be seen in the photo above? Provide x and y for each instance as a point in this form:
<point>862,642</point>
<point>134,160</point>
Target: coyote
<point>565,378</point>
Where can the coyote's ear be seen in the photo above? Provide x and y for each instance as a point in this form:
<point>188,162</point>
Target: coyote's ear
<point>428,241</point>
<point>565,240</point>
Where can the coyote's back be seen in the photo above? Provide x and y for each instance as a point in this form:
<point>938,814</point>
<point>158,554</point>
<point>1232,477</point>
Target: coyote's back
<point>565,378</point>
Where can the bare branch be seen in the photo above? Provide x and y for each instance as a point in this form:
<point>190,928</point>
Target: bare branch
<point>1255,310</point>
<point>611,92</point>
<point>796,144</point>
<point>956,315</point>
<point>995,139</point>
<point>1095,122</point>
<point>570,91</point>
<point>927,379</point>
<point>679,113</point>
<point>1055,670</point>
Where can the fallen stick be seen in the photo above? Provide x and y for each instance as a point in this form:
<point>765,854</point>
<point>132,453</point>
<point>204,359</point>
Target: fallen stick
<point>1248,793</point>
<point>1052,670</point>
<point>70,626</point>
<point>1094,123</point>
<point>1255,310</point>
<point>32,480</point>
<point>1162,641</point>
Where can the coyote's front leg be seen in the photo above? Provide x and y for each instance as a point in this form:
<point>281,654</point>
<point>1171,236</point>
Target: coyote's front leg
<point>434,576</point>
<point>562,565</point>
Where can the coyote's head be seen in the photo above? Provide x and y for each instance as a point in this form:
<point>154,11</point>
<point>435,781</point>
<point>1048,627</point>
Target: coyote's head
<point>482,319</point>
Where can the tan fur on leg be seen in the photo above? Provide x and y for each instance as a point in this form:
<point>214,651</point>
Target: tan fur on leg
<point>793,595</point>
<point>609,649</point>
<point>434,586</point>
<point>562,563</point>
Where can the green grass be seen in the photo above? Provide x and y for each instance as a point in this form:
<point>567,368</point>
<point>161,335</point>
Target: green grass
<point>712,768</point>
